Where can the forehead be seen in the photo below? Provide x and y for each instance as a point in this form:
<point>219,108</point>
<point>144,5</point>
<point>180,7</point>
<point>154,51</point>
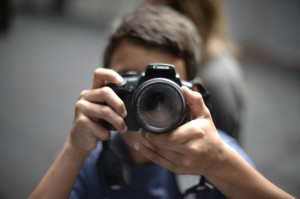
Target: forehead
<point>129,56</point>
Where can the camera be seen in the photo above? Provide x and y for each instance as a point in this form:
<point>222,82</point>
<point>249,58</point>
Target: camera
<point>154,100</point>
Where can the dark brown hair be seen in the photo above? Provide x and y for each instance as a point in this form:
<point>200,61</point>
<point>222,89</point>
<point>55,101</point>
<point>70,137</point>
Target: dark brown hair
<point>160,28</point>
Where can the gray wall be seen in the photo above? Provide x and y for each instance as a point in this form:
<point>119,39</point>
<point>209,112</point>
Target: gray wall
<point>270,27</point>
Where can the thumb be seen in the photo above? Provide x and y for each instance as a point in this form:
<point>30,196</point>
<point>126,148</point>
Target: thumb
<point>196,103</point>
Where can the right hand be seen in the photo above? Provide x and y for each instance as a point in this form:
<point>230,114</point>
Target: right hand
<point>90,110</point>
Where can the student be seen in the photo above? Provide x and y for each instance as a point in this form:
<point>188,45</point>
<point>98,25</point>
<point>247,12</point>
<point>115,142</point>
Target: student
<point>147,35</point>
<point>219,68</point>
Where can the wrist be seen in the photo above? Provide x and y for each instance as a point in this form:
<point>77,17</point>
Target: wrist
<point>221,163</point>
<point>73,149</point>
<point>230,169</point>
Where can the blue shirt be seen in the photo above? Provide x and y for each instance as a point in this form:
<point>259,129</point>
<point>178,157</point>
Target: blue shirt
<point>147,181</point>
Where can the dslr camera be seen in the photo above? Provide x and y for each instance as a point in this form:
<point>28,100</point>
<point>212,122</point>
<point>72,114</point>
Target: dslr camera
<point>154,100</point>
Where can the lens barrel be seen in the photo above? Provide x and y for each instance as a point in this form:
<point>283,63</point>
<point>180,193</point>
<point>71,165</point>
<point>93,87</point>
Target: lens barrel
<point>159,105</point>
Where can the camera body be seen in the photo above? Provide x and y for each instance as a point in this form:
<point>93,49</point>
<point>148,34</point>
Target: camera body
<point>154,100</point>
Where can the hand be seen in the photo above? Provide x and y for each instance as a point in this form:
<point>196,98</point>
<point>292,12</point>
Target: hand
<point>90,110</point>
<point>194,148</point>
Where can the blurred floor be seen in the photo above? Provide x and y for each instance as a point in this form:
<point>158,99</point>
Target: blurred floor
<point>45,63</point>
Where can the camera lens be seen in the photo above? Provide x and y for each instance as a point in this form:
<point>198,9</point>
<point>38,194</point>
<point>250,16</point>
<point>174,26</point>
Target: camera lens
<point>159,105</point>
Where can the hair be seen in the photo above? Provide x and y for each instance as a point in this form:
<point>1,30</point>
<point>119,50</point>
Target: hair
<point>210,19</point>
<point>160,28</point>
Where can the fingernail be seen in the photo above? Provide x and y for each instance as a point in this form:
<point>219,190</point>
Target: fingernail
<point>137,146</point>
<point>124,114</point>
<point>119,79</point>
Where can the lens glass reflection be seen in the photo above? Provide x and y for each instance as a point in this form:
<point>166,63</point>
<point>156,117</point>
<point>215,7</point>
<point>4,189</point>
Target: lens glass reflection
<point>160,106</point>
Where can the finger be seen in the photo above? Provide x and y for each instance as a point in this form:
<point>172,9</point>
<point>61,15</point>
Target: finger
<point>104,75</point>
<point>196,103</point>
<point>176,138</point>
<point>101,112</point>
<point>97,130</point>
<point>164,140</point>
<point>171,155</point>
<point>155,157</point>
<point>100,132</point>
<point>162,150</point>
<point>105,95</point>
<point>85,133</point>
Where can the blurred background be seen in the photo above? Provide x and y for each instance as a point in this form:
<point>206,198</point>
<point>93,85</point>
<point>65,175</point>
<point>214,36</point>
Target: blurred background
<point>49,50</point>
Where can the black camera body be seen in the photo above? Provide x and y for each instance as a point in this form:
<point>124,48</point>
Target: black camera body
<point>154,100</point>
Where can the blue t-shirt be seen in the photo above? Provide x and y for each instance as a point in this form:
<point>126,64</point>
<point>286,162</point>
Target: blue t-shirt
<point>147,182</point>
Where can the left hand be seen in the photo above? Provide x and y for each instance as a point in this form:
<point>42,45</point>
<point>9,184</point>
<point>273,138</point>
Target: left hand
<point>194,148</point>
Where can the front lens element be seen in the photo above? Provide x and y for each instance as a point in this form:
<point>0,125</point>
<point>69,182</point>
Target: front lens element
<point>160,105</point>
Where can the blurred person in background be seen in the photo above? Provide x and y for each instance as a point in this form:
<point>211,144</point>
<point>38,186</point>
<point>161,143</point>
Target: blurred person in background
<point>219,70</point>
<point>150,34</point>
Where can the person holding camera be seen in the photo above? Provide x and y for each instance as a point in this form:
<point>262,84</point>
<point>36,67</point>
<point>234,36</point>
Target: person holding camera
<point>176,134</point>
<point>220,68</point>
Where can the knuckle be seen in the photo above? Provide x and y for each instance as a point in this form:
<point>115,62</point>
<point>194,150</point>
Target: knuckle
<point>82,121</point>
<point>83,94</point>
<point>199,132</point>
<point>121,124</point>
<point>198,96</point>
<point>105,91</point>
<point>105,135</point>
<point>79,105</point>
<point>105,111</point>
<point>199,151</point>
<point>120,106</point>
